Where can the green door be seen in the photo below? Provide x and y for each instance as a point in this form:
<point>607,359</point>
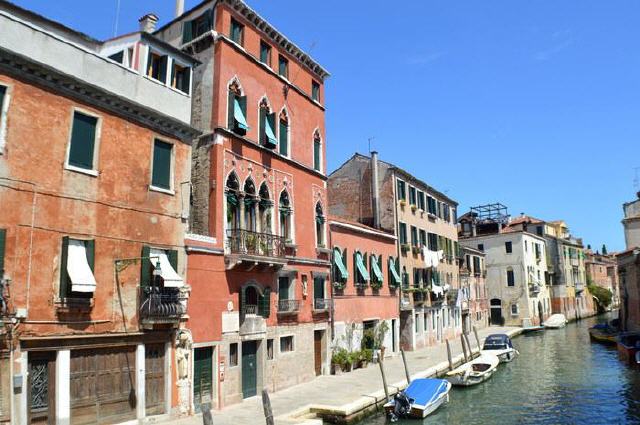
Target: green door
<point>249,369</point>
<point>202,376</point>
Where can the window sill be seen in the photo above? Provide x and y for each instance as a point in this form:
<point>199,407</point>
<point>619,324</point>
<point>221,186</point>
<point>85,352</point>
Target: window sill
<point>162,190</point>
<point>92,173</point>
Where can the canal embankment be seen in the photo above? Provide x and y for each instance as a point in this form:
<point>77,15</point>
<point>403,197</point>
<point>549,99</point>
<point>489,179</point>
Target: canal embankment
<point>349,397</point>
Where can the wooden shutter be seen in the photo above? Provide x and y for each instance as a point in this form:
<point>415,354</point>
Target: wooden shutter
<point>271,119</point>
<point>231,122</point>
<point>145,266</point>
<point>3,91</point>
<point>83,137</point>
<point>172,255</point>
<point>162,69</point>
<point>90,250</point>
<point>187,32</point>
<point>186,80</point>
<point>64,276</point>
<point>263,124</point>
<point>3,240</point>
<point>318,288</point>
<point>242,100</point>
<point>161,174</point>
<point>284,138</point>
<point>316,155</point>
<point>264,303</point>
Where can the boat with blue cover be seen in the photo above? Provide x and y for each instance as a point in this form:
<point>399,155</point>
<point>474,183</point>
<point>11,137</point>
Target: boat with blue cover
<point>421,398</point>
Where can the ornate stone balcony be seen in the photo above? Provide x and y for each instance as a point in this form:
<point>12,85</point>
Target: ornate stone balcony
<point>248,249</point>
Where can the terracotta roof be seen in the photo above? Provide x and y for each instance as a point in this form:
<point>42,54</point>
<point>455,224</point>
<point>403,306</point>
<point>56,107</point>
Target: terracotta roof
<point>525,219</point>
<point>358,224</point>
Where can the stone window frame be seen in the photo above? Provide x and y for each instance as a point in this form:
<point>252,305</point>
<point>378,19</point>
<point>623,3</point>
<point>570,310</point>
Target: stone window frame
<point>4,113</point>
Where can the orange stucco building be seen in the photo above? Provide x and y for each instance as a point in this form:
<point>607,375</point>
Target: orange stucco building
<point>257,248</point>
<point>91,169</point>
<point>366,286</point>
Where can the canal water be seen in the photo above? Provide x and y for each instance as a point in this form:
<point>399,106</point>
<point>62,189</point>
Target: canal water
<point>560,377</point>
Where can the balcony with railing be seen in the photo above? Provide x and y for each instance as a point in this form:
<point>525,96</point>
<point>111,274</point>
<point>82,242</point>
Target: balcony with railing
<point>162,305</point>
<point>251,248</point>
<point>288,306</point>
<point>321,304</point>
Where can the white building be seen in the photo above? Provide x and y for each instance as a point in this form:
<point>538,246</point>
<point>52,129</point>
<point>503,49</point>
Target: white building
<point>516,266</point>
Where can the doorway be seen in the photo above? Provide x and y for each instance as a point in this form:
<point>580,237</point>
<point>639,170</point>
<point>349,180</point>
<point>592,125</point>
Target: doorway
<point>202,376</point>
<point>249,369</point>
<point>41,388</point>
<point>496,312</point>
<point>317,351</point>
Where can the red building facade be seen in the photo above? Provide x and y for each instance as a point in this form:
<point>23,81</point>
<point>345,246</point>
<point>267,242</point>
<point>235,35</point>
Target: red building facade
<point>258,256</point>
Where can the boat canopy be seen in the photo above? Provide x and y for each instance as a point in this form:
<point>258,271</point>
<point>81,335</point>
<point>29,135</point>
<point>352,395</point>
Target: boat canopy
<point>497,342</point>
<point>425,391</point>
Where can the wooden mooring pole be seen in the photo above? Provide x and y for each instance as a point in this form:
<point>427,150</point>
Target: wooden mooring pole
<point>449,355</point>
<point>475,332</point>
<point>266,406</point>
<point>466,338</point>
<point>406,367</point>
<point>464,348</point>
<point>384,380</point>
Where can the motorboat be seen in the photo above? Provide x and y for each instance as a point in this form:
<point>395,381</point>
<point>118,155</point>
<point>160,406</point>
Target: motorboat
<point>629,347</point>
<point>421,398</point>
<point>556,321</point>
<point>501,346</point>
<point>474,372</point>
<point>604,334</point>
<point>532,329</point>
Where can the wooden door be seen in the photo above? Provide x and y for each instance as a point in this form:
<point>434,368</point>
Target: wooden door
<point>317,351</point>
<point>202,376</point>
<point>249,369</point>
<point>102,387</point>
<point>41,388</point>
<point>154,361</point>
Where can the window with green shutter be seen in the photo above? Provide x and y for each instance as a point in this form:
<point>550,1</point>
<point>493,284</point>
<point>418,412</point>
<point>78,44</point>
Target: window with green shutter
<point>403,233</point>
<point>265,53</point>
<point>283,134</point>
<point>317,153</point>
<point>237,31</point>
<point>283,66</point>
<point>402,191</point>
<point>3,244</point>
<point>161,174</point>
<point>3,92</point>
<point>315,91</point>
<point>83,141</point>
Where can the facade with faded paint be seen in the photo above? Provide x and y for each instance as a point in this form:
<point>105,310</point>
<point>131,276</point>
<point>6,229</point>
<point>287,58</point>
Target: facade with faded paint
<point>366,285</point>
<point>424,221</point>
<point>94,151</point>
<point>473,274</point>
<point>602,270</point>
<point>259,256</point>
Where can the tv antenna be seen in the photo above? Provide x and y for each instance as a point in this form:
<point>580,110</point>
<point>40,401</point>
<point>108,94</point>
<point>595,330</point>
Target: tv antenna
<point>115,24</point>
<point>370,139</point>
<point>636,179</point>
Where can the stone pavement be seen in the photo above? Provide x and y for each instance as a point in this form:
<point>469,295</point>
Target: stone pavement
<point>347,393</point>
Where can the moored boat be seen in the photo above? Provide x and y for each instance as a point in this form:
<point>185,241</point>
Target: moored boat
<point>500,345</point>
<point>629,347</point>
<point>421,398</point>
<point>556,321</point>
<point>604,334</point>
<point>474,372</point>
<point>531,329</point>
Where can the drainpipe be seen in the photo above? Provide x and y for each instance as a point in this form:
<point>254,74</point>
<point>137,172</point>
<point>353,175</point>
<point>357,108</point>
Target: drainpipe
<point>375,190</point>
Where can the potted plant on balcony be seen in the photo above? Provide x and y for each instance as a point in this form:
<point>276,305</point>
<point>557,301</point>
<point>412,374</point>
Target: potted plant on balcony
<point>403,203</point>
<point>414,207</point>
<point>252,242</point>
<point>405,247</point>
<point>415,249</point>
<point>340,361</point>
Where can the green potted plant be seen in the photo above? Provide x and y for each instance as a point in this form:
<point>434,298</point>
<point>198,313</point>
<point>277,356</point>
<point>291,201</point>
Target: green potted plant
<point>340,360</point>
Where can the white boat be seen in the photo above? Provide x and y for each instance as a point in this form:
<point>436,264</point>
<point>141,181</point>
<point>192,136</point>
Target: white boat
<point>555,321</point>
<point>500,345</point>
<point>421,398</point>
<point>475,371</point>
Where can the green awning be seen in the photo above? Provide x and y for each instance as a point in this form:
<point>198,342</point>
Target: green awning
<point>232,199</point>
<point>339,263</point>
<point>271,141</point>
<point>376,269</point>
<point>361,267</point>
<point>394,273</point>
<point>238,115</point>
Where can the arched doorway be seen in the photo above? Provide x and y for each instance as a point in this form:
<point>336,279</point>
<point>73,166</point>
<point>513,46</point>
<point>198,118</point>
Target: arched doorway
<point>496,312</point>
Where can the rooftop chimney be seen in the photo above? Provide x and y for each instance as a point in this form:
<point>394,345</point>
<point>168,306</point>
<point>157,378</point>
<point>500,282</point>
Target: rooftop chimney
<point>375,190</point>
<point>148,22</point>
<point>179,7</point>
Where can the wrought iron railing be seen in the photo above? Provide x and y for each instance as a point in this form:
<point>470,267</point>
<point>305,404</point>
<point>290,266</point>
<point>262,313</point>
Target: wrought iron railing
<point>162,303</point>
<point>321,304</point>
<point>288,306</point>
<point>240,241</point>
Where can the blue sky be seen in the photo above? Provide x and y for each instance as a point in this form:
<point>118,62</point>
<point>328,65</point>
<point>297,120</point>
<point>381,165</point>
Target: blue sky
<point>534,104</point>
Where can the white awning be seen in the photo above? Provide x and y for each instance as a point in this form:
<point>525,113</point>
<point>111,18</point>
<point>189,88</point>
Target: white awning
<point>80,274</point>
<point>437,289</point>
<point>169,275</point>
